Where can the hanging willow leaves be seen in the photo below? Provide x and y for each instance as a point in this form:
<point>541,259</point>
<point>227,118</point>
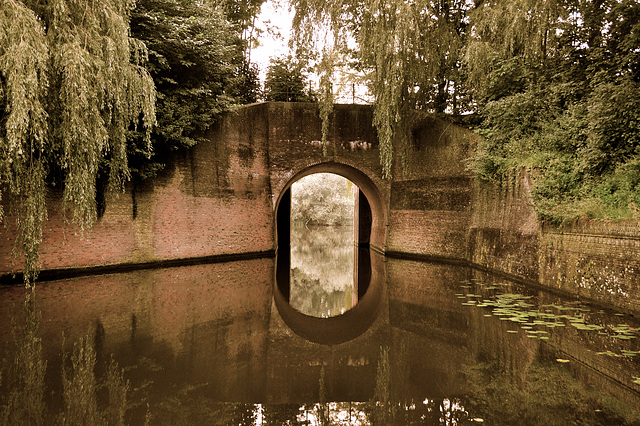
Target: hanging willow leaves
<point>71,83</point>
<point>409,52</point>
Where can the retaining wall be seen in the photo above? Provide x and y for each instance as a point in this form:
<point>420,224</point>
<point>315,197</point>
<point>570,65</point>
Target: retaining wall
<point>219,198</point>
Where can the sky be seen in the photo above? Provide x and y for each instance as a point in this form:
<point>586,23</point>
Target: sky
<point>279,16</point>
<point>276,14</point>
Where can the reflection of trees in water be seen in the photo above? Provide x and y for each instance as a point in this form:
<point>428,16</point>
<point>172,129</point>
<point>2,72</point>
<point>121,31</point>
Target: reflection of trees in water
<point>92,394</point>
<point>322,282</point>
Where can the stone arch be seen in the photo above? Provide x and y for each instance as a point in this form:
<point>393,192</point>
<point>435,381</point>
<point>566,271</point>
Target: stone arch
<point>357,320</point>
<point>377,240</point>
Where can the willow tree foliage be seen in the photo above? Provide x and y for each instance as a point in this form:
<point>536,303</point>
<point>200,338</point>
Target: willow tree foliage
<point>410,52</point>
<point>71,84</point>
<point>555,84</point>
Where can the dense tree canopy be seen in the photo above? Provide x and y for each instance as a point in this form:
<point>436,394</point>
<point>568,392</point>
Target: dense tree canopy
<point>242,16</point>
<point>286,81</point>
<point>559,94</point>
<point>191,51</point>
<point>555,83</point>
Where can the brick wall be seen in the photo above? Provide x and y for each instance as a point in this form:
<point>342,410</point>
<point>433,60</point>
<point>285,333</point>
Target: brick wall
<point>219,198</point>
<point>593,259</point>
<point>213,200</point>
<point>431,196</point>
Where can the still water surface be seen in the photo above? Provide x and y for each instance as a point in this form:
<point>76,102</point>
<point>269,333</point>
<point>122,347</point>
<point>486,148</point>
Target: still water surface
<point>206,344</point>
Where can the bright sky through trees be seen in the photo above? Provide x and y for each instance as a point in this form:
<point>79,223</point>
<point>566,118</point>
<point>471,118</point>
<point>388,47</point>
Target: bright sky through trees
<point>274,41</point>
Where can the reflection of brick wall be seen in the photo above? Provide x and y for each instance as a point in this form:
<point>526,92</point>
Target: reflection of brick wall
<point>197,324</point>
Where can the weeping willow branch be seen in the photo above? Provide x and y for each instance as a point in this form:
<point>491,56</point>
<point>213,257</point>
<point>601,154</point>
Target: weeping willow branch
<point>408,51</point>
<point>326,96</point>
<point>69,88</point>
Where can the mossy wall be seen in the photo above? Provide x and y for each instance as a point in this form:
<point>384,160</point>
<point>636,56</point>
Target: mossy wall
<point>593,259</point>
<point>220,198</point>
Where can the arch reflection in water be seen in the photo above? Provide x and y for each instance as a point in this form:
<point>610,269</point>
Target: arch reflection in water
<point>323,276</point>
<point>322,270</point>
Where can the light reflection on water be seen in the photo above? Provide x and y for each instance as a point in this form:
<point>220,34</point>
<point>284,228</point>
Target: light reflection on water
<point>204,345</point>
<point>322,270</point>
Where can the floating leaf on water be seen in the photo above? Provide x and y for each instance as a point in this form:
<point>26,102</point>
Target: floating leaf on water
<point>583,326</point>
<point>623,337</point>
<point>537,332</point>
<point>562,360</point>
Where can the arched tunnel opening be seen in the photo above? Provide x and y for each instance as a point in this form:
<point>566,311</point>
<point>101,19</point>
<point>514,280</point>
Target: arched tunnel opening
<point>325,251</point>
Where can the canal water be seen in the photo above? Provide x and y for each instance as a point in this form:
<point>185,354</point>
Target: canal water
<point>424,343</point>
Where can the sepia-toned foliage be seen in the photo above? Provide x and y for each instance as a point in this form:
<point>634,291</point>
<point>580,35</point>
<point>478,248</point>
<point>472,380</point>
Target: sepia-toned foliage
<point>190,50</point>
<point>410,53</point>
<point>71,84</point>
<point>286,81</point>
<point>554,84</point>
